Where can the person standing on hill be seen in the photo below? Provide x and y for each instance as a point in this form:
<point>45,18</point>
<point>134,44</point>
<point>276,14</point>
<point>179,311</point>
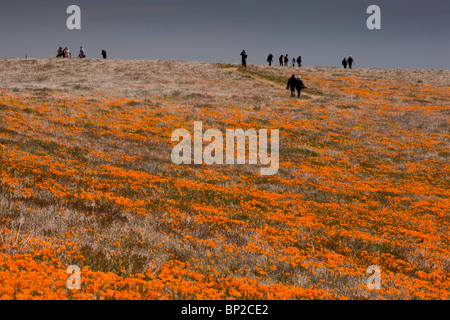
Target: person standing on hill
<point>104,54</point>
<point>281,60</point>
<point>344,63</point>
<point>60,53</point>
<point>67,53</point>
<point>299,61</point>
<point>299,86</point>
<point>286,60</point>
<point>350,62</point>
<point>293,62</point>
<point>292,84</point>
<point>81,55</point>
<point>244,58</point>
<point>270,59</point>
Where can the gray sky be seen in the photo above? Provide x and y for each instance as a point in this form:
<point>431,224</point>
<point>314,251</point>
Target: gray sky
<point>414,34</point>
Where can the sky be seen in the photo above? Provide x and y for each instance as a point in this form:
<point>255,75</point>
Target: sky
<point>413,34</point>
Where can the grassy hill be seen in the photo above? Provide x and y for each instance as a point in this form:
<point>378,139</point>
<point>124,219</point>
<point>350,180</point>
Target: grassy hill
<point>86,179</point>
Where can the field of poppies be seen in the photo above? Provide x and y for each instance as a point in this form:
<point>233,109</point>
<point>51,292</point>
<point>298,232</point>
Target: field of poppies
<point>86,179</point>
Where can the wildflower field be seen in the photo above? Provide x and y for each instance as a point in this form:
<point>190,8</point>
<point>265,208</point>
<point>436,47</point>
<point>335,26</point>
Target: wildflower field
<point>86,179</point>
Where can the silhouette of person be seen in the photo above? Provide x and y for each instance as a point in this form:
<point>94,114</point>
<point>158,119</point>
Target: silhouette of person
<point>286,60</point>
<point>104,54</point>
<point>299,86</point>
<point>270,59</point>
<point>60,53</point>
<point>299,61</point>
<point>281,60</point>
<point>292,84</point>
<point>344,63</point>
<point>244,58</point>
<point>350,62</point>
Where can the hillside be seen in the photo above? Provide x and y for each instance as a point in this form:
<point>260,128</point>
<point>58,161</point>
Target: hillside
<point>86,179</point>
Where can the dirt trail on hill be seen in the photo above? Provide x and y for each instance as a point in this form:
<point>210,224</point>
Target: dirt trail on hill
<point>259,78</point>
<point>272,83</point>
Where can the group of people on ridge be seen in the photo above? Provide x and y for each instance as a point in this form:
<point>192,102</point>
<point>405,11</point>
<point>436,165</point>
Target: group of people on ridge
<point>65,53</point>
<point>284,60</point>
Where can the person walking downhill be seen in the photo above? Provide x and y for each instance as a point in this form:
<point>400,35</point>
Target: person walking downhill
<point>344,63</point>
<point>299,86</point>
<point>292,85</point>
<point>299,61</point>
<point>270,59</point>
<point>281,60</point>
<point>350,62</point>
<point>244,58</point>
<point>286,60</point>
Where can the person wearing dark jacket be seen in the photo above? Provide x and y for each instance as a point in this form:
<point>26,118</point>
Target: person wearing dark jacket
<point>299,61</point>
<point>350,62</point>
<point>344,63</point>
<point>299,86</point>
<point>104,54</point>
<point>281,60</point>
<point>60,53</point>
<point>286,60</point>
<point>244,58</point>
<point>270,59</point>
<point>292,85</point>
